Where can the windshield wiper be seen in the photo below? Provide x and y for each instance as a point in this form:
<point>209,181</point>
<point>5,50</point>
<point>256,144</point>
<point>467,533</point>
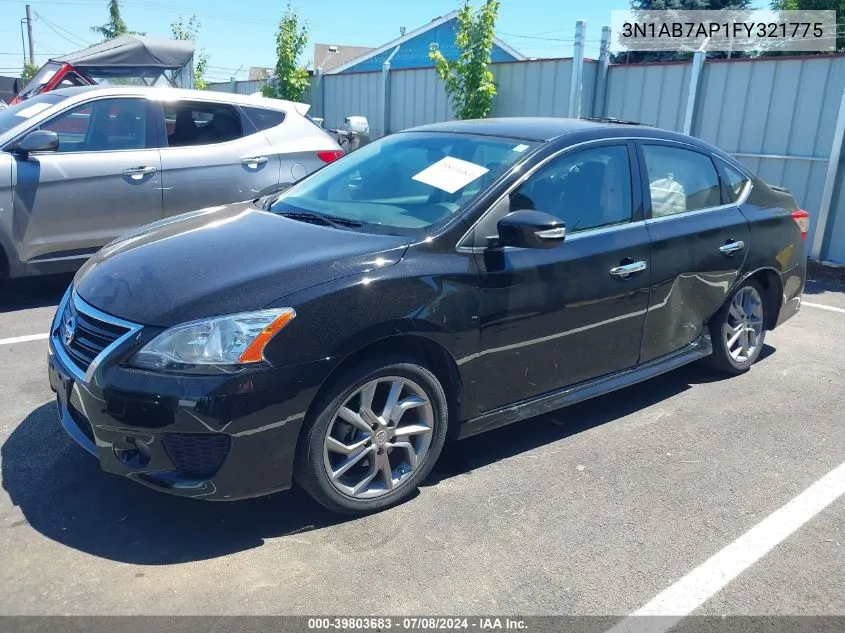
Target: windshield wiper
<point>320,218</point>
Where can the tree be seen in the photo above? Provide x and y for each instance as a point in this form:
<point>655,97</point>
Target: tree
<point>818,5</point>
<point>115,26</point>
<point>29,70</point>
<point>290,79</point>
<point>633,57</point>
<point>181,30</point>
<point>469,82</point>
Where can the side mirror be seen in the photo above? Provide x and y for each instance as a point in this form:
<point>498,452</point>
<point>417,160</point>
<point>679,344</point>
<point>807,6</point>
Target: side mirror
<point>38,141</point>
<point>530,229</point>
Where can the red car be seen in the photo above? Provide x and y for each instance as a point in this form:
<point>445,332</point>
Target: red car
<point>147,60</point>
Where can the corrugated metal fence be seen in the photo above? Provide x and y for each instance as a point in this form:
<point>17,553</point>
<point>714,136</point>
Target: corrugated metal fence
<point>777,115</point>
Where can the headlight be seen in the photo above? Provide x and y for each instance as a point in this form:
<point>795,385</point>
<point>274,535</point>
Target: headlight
<point>233,340</point>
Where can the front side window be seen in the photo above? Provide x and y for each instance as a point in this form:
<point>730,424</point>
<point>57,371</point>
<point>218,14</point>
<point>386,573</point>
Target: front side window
<point>198,123</point>
<point>101,126</point>
<point>405,183</point>
<point>586,189</point>
<point>680,180</point>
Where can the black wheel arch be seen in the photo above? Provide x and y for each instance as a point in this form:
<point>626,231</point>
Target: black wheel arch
<point>772,284</point>
<point>415,347</point>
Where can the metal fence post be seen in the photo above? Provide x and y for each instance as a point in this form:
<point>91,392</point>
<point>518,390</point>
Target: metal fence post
<point>577,71</point>
<point>829,182</point>
<point>385,93</point>
<point>318,94</point>
<point>692,91</point>
<point>600,92</point>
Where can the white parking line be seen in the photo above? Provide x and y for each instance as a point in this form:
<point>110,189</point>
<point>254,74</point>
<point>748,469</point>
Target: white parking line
<point>823,307</point>
<point>24,339</point>
<point>703,582</point>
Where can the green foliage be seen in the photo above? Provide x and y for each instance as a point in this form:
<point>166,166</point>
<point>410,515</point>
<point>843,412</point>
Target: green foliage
<point>290,79</point>
<point>469,82</point>
<point>115,26</point>
<point>29,70</point>
<point>181,30</point>
<point>818,5</point>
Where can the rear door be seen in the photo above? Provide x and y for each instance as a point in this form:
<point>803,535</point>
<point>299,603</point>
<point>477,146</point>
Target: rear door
<point>211,154</point>
<point>103,180</point>
<point>699,243</point>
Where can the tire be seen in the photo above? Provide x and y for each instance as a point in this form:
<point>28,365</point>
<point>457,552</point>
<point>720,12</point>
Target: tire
<point>723,328</point>
<point>331,439</point>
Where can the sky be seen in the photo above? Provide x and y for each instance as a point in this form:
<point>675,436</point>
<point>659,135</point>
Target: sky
<point>239,34</point>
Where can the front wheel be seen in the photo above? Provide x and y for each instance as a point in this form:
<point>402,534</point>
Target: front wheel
<point>738,330</point>
<point>374,437</point>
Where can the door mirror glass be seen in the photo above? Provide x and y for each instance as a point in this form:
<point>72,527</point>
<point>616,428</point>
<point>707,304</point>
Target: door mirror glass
<point>530,229</point>
<point>38,141</point>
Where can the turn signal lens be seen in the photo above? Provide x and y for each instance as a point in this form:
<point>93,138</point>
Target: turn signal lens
<point>255,351</point>
<point>802,219</point>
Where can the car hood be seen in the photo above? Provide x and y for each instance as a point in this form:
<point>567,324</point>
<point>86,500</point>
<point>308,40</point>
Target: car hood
<point>223,260</point>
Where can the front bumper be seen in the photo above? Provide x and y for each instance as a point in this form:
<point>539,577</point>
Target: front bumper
<point>211,437</point>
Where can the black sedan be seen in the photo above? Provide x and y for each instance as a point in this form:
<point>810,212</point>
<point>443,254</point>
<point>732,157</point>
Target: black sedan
<point>432,285</point>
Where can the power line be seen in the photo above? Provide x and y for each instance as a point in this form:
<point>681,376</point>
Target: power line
<point>59,31</point>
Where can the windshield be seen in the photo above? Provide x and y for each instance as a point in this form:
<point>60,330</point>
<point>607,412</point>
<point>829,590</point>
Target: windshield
<point>20,112</point>
<point>405,183</point>
<point>45,74</point>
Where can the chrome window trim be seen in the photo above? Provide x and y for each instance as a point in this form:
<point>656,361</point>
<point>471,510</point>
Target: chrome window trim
<point>87,309</point>
<point>599,230</point>
<point>685,214</point>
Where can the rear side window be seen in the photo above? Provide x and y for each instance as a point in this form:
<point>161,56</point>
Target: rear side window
<point>680,180</point>
<point>264,119</point>
<point>199,123</point>
<point>735,181</point>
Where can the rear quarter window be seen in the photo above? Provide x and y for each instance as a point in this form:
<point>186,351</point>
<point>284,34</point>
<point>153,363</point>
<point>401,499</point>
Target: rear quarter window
<point>263,118</point>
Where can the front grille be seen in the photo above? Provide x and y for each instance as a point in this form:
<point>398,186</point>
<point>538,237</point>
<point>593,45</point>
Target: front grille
<point>91,335</point>
<point>197,455</point>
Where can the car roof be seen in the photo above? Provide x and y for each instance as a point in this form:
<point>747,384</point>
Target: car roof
<point>179,93</point>
<point>539,128</point>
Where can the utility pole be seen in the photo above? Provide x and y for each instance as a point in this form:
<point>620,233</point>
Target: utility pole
<point>29,32</point>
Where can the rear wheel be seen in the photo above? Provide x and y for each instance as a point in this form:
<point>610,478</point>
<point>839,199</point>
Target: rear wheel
<point>738,330</point>
<point>374,437</point>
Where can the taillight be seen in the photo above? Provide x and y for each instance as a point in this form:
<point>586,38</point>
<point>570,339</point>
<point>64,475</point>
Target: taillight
<point>329,157</point>
<point>802,219</point>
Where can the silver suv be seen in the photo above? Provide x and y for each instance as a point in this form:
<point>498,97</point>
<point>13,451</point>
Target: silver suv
<point>81,166</point>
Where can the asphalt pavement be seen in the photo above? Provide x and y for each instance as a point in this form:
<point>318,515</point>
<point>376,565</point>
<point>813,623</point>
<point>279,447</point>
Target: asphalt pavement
<point>592,510</point>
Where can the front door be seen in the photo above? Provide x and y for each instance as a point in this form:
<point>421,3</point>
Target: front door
<point>556,317</point>
<point>103,180</point>
<point>213,156</point>
<point>699,245</point>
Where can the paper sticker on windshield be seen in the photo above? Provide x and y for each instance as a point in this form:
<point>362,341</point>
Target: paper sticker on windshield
<point>32,110</point>
<point>520,148</point>
<point>450,174</point>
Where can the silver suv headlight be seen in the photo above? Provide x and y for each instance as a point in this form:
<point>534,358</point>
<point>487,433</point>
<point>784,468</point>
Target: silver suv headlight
<point>230,342</point>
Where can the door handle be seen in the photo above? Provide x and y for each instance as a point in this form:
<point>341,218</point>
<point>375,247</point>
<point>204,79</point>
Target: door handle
<point>732,247</point>
<point>626,270</point>
<point>255,161</point>
<point>139,172</point>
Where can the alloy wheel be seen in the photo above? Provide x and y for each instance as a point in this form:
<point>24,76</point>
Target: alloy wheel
<point>744,325</point>
<point>378,437</point>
